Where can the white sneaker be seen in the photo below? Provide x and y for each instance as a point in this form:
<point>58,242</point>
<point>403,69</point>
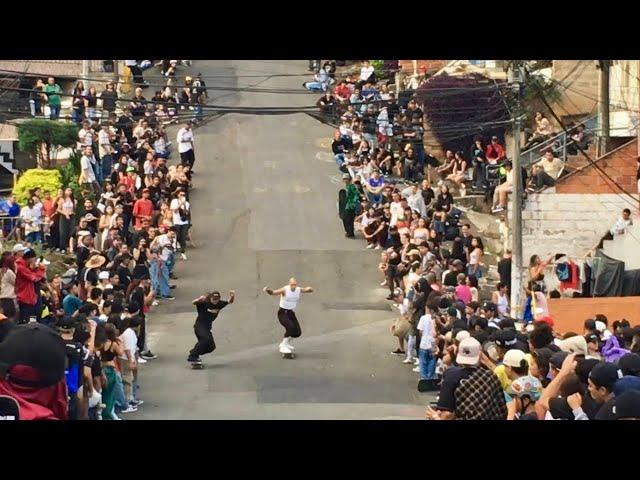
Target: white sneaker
<point>408,360</point>
<point>416,361</point>
<point>155,303</point>
<point>383,284</point>
<point>370,246</point>
<point>284,348</point>
<point>129,409</point>
<point>378,247</point>
<point>141,360</point>
<point>183,256</point>
<point>417,370</point>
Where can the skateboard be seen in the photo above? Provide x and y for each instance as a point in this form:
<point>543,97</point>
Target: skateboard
<point>289,356</point>
<point>196,365</point>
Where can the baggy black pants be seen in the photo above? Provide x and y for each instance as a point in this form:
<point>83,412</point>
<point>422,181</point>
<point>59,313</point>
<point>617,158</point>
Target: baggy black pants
<point>289,321</point>
<point>348,218</point>
<point>205,343</point>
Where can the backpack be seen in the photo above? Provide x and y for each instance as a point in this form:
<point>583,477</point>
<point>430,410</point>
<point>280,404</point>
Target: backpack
<point>563,272</point>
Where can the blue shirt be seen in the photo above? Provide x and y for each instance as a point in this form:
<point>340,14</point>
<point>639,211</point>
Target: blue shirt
<point>376,183</point>
<point>70,304</point>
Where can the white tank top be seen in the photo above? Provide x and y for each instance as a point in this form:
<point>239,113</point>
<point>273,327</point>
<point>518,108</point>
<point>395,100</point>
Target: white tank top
<point>503,304</point>
<point>290,299</point>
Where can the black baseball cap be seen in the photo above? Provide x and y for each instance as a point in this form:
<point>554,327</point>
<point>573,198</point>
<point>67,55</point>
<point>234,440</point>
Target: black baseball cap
<point>505,338</point>
<point>590,324</point>
<point>627,405</point>
<point>37,346</point>
<point>605,375</point>
<point>489,306</point>
<point>629,364</point>
<point>557,359</point>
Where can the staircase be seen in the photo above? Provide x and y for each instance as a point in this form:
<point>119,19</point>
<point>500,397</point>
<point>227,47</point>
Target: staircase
<point>625,247</point>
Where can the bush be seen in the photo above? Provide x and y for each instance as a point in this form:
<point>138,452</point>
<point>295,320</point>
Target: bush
<point>48,180</point>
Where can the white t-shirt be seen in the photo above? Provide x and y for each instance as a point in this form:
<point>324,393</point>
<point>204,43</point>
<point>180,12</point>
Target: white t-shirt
<point>87,168</point>
<point>35,220</point>
<point>104,142</point>
<point>85,137</point>
<point>185,137</point>
<point>425,325</point>
<point>365,72</point>
<point>130,342</point>
<point>175,205</point>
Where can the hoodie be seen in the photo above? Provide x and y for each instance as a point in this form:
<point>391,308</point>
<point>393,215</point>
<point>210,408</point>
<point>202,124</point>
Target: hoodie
<point>25,279</point>
<point>611,350</point>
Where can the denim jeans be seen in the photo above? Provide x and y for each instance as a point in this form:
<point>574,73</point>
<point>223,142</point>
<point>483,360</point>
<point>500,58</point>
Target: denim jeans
<point>160,277</point>
<point>121,402</point>
<point>427,364</point>
<point>170,262</point>
<point>55,112</point>
<point>34,237</point>
<point>107,164</point>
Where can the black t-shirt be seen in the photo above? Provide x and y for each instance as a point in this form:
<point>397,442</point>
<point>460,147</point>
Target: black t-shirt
<point>82,255</point>
<point>125,124</point>
<point>90,275</point>
<point>109,98</point>
<point>127,202</point>
<point>604,412</point>
<point>504,270</point>
<point>96,368</point>
<point>481,335</point>
<point>451,279</point>
<point>428,196</point>
<point>137,295</point>
<point>205,316</point>
<point>450,382</point>
<point>338,146</point>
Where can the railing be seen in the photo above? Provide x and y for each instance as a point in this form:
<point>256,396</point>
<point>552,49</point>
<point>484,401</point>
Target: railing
<point>558,144</point>
<point>10,227</point>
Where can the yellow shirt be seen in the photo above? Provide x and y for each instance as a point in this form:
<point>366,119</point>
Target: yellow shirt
<point>501,373</point>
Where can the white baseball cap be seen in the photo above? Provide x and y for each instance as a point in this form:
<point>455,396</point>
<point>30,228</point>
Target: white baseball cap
<point>18,247</point>
<point>103,275</point>
<point>468,352</point>
<point>513,358</point>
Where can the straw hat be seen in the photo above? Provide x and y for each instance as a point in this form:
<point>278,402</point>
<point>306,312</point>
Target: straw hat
<point>95,261</point>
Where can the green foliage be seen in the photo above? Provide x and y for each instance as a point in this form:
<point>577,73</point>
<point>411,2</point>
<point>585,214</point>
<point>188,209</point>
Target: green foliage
<point>377,65</point>
<point>48,180</point>
<point>34,132</point>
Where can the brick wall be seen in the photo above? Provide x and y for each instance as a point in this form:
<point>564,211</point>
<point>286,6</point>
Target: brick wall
<point>620,165</point>
<point>569,314</point>
<point>431,66</point>
<point>583,83</point>
<point>570,223</point>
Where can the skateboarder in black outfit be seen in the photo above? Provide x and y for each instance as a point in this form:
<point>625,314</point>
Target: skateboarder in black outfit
<point>208,307</point>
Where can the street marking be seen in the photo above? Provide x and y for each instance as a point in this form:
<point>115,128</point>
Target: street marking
<point>335,179</point>
<point>323,142</point>
<point>325,157</point>
<point>270,164</point>
<point>301,189</point>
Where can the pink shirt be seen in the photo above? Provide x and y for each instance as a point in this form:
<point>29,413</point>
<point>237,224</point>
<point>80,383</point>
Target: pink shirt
<point>463,293</point>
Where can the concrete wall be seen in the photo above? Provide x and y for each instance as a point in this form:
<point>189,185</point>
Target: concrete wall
<point>569,314</point>
<point>581,76</point>
<point>570,223</point>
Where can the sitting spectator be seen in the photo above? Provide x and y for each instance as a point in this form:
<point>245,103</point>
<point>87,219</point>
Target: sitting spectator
<point>542,132</point>
<point>495,152</point>
<point>502,191</point>
<point>546,172</point>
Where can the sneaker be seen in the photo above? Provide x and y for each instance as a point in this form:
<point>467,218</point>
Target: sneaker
<point>497,209</point>
<point>417,370</point>
<point>407,360</point>
<point>390,297</point>
<point>168,297</point>
<point>397,351</point>
<point>370,246</point>
<point>155,303</point>
<point>45,262</point>
<point>416,361</point>
<point>130,409</point>
<point>183,256</point>
<point>196,360</point>
<point>171,287</point>
<point>136,403</point>
<point>141,360</point>
<point>148,355</point>
<point>377,247</point>
<point>115,417</point>
<point>383,284</point>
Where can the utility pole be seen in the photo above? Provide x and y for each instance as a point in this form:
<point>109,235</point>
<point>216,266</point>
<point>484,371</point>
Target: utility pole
<point>85,71</point>
<point>515,225</point>
<point>603,107</point>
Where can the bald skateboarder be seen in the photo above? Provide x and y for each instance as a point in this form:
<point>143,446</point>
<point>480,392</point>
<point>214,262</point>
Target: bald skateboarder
<point>289,298</point>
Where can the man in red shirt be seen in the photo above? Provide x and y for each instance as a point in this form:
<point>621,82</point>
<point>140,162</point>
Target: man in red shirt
<point>28,272</point>
<point>494,151</point>
<point>343,92</point>
<point>142,209</point>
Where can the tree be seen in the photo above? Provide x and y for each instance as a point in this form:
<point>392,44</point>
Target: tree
<point>40,137</point>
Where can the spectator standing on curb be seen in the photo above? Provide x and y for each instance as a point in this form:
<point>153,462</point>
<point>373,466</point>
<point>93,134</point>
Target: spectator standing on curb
<point>53,91</point>
<point>185,145</point>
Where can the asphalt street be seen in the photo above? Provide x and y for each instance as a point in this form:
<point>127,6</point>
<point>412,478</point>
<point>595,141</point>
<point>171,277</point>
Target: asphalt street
<point>264,209</point>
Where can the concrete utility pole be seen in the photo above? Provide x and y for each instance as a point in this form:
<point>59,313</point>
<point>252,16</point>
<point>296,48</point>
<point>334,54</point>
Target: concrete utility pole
<point>85,71</point>
<point>515,208</point>
<point>603,107</point>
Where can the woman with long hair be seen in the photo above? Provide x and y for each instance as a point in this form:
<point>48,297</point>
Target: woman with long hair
<point>109,349</point>
<point>475,255</point>
<point>78,103</point>
<point>105,223</point>
<point>460,166</point>
<point>66,211</point>
<point>91,103</point>
<point>472,282</point>
<point>141,255</point>
<point>8,300</point>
